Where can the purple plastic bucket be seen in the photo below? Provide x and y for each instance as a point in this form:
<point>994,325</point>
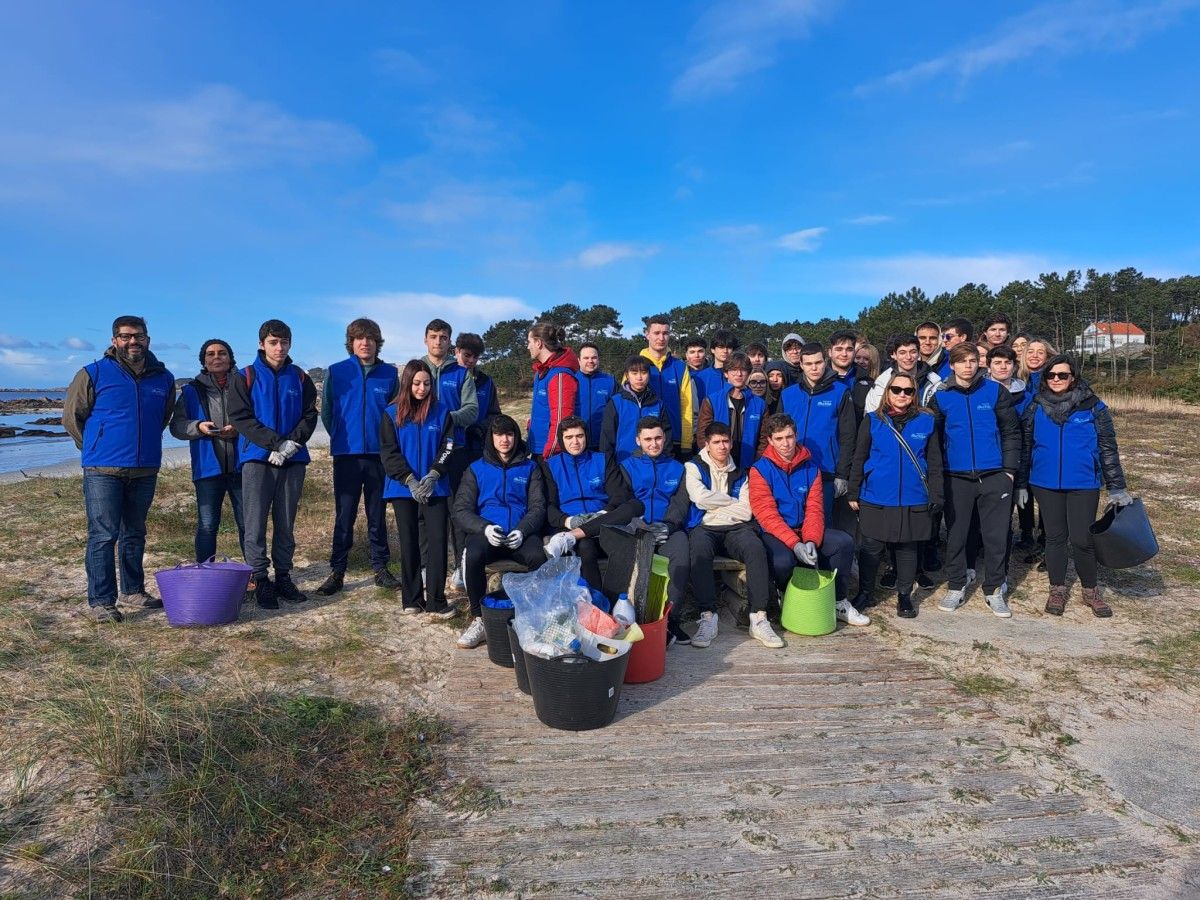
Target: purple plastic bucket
<point>208,593</point>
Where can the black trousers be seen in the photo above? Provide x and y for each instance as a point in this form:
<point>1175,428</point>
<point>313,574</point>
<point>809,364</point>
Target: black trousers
<point>741,543</point>
<point>479,553</point>
<point>354,476</point>
<point>992,497</point>
<point>905,554</point>
<point>590,553</point>
<point>835,553</point>
<point>415,523</point>
<point>1068,515</point>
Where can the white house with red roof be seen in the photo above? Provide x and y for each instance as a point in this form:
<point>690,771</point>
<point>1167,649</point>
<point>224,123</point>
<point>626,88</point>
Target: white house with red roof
<point>1106,335</point>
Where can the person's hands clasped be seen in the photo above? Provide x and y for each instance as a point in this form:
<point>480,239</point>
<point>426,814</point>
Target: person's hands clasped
<point>289,449</point>
<point>514,539</point>
<point>414,488</point>
<point>806,553</point>
<point>494,535</point>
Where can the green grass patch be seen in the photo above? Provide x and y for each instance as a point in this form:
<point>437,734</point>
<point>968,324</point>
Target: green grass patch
<point>982,685</point>
<point>261,795</point>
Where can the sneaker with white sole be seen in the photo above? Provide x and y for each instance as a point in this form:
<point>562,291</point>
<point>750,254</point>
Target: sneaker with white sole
<point>706,633</point>
<point>761,631</point>
<point>999,605</point>
<point>955,597</point>
<point>473,636</point>
<point>851,616</point>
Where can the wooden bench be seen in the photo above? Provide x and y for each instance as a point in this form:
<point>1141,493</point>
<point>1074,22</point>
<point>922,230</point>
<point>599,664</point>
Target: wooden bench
<point>732,574</point>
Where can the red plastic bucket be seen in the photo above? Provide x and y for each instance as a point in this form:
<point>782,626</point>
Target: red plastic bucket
<point>648,657</point>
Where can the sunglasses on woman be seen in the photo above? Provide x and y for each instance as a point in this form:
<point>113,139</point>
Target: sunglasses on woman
<point>1057,376</point>
<point>907,392</point>
<point>754,382</point>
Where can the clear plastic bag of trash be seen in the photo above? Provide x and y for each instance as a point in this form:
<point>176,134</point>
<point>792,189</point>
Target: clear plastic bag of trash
<point>545,604</point>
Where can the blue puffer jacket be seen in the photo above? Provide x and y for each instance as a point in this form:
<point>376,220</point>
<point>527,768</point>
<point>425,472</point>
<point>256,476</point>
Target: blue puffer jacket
<point>580,482</point>
<point>278,402</point>
<point>889,477</point>
<point>356,404</point>
<point>654,482</point>
<point>422,445</point>
<point>980,430</point>
<point>595,390</point>
<point>503,490</point>
<point>124,429</point>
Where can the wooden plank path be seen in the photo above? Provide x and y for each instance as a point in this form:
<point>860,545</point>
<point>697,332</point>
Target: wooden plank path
<point>831,768</point>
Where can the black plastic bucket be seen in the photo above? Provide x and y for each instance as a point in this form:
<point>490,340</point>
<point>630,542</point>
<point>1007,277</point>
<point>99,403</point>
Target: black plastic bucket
<point>518,660</point>
<point>575,693</point>
<point>1123,536</point>
<point>495,630</point>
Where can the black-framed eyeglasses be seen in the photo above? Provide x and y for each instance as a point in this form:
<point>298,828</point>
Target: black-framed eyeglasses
<point>127,338</point>
<point>907,392</point>
<point>755,382</point>
<point>1058,376</point>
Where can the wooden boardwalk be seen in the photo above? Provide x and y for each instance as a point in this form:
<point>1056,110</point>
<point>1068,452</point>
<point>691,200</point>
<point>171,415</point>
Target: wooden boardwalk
<point>830,768</point>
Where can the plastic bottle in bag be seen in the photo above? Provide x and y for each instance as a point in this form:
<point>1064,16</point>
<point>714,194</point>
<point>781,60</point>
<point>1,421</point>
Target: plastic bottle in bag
<point>623,611</point>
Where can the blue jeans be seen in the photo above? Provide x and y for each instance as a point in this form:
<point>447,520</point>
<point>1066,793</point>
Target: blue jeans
<point>116,510</point>
<point>210,496</point>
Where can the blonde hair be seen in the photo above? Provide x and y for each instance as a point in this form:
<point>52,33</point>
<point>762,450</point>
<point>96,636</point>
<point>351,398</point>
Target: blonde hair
<point>1023,372</point>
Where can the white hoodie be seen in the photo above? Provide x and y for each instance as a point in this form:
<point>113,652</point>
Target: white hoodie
<point>720,510</point>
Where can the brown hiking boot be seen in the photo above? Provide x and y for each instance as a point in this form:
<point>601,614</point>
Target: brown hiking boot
<point>1058,600</point>
<point>1100,609</point>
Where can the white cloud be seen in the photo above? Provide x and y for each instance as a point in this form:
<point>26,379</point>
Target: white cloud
<point>77,343</point>
<point>1055,29</point>
<point>934,273</point>
<point>402,65</point>
<point>605,254</point>
<point>402,315</point>
<point>456,129</point>
<point>806,240</point>
<point>9,340</point>
<point>735,232</point>
<point>22,362</point>
<point>871,220</point>
<point>736,38</point>
<point>214,128</point>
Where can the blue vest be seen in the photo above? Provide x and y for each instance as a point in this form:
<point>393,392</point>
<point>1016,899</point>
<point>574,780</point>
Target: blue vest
<point>595,390</point>
<point>1022,400</point>
<point>205,462</point>
<point>580,481</point>
<point>971,434</point>
<point>706,382</point>
<point>654,482</point>
<point>816,417</point>
<point>753,414</point>
<point>485,389</point>
<point>421,445</point>
<point>449,394</point>
<point>628,413</point>
<point>1035,379</point>
<point>125,427</point>
<point>790,489</point>
<point>889,478</point>
<point>1066,457</point>
<point>278,401</point>
<point>943,370</point>
<point>737,479</point>
<point>850,379</point>
<point>503,491</point>
<point>357,405</point>
<point>668,385</point>
<point>539,415</point>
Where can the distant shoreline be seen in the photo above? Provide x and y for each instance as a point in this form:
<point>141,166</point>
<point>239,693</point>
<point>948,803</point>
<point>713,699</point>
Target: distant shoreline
<point>53,390</point>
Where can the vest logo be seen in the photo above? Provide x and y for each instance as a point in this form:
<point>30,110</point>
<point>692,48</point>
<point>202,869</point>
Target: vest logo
<point>520,479</point>
<point>984,405</point>
<point>1080,419</point>
<point>752,417</point>
<point>824,403</point>
<point>602,392</point>
<point>919,435</point>
<point>595,481</point>
<point>671,482</point>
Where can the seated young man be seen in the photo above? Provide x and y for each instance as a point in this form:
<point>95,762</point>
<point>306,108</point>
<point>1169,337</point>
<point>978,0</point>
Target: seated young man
<point>786,499</point>
<point>584,492</point>
<point>632,402</point>
<point>719,521</point>
<point>500,509</point>
<point>655,478</point>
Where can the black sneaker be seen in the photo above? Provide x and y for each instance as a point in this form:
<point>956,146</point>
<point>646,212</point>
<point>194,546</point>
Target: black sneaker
<point>864,600</point>
<point>385,579</point>
<point>905,608</point>
<point>264,593</point>
<point>676,635</point>
<point>287,589</point>
<point>923,581</point>
<point>742,618</point>
<point>332,583</point>
<point>103,615</point>
<point>439,610</point>
<point>887,580</point>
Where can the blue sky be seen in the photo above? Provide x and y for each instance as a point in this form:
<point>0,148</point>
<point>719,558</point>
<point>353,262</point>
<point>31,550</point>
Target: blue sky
<point>212,165</point>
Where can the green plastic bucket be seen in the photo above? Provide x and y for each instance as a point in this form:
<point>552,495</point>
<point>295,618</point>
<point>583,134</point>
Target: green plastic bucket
<point>809,603</point>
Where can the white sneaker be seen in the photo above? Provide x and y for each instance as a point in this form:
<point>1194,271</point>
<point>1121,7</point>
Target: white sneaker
<point>707,632</point>
<point>473,636</point>
<point>953,599</point>
<point>850,615</point>
<point>998,604</point>
<point>761,631</point>
<point>457,581</point>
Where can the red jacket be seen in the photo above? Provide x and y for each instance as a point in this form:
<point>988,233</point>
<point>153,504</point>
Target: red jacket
<point>562,393</point>
<point>766,511</point>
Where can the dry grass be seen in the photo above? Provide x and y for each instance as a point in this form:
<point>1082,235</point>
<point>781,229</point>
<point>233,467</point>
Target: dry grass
<point>1125,402</point>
